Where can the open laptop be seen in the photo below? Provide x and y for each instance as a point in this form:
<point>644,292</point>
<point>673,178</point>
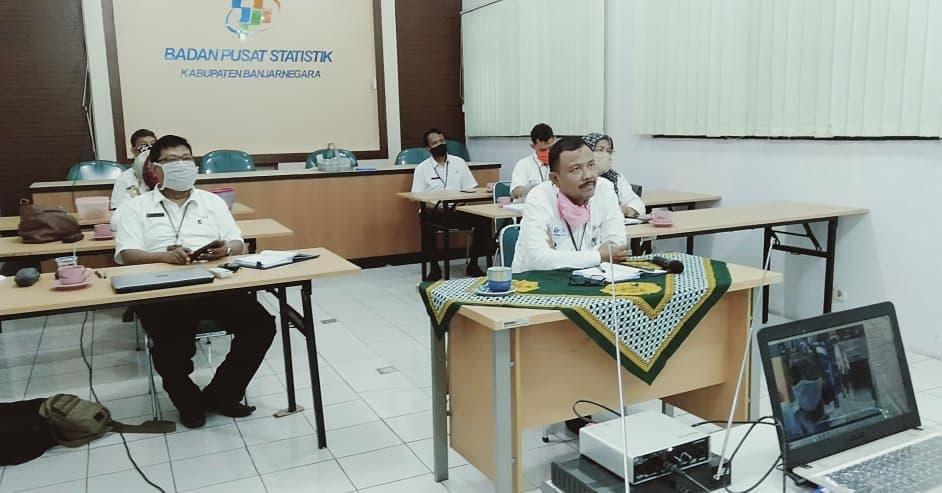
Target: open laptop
<point>160,280</point>
<point>840,386</point>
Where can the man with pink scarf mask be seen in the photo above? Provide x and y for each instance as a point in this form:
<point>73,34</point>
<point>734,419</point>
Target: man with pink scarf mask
<point>573,220</point>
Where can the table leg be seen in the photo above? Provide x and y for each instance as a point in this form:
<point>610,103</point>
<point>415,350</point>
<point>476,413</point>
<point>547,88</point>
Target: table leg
<point>422,249</point>
<point>503,429</point>
<point>766,245</point>
<point>439,405</point>
<point>690,245</point>
<point>829,265</point>
<point>286,345</point>
<point>251,244</point>
<point>312,363</point>
<point>447,229</point>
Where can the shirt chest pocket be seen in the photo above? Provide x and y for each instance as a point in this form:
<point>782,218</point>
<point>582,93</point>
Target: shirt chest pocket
<point>199,223</point>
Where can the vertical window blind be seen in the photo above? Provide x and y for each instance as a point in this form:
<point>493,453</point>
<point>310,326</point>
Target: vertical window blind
<point>531,61</point>
<point>788,68</point>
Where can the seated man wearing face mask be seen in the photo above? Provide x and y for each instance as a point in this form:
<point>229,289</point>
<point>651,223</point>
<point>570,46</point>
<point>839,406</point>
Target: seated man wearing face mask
<point>603,146</point>
<point>130,183</point>
<point>165,225</point>
<point>572,221</point>
<point>443,171</point>
<point>533,169</point>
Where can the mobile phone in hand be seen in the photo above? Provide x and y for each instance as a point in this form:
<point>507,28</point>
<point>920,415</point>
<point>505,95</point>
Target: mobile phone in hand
<point>205,248</point>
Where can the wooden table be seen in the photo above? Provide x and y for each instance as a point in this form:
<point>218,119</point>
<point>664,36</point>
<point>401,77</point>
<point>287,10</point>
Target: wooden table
<point>765,216</point>
<point>10,224</point>
<point>652,199</point>
<point>511,369</point>
<point>40,300</point>
<point>354,213</point>
<point>449,200</point>
<point>13,247</point>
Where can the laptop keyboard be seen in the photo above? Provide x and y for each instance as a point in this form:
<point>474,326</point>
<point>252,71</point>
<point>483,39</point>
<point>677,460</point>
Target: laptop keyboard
<point>914,468</point>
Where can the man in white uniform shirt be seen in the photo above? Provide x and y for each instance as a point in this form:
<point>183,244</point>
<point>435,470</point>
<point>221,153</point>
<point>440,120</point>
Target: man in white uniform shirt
<point>533,169</point>
<point>444,171</point>
<point>167,225</point>
<point>130,183</point>
<point>573,220</point>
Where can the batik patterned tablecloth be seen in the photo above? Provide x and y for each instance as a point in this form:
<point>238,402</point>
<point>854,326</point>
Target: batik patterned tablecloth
<point>651,318</point>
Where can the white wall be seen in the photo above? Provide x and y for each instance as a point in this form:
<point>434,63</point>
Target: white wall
<point>888,254</point>
<point>101,88</point>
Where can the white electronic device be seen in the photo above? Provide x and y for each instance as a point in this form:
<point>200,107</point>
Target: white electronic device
<point>220,273</point>
<point>657,443</point>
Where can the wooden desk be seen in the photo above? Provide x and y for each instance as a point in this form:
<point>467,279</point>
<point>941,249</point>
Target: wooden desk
<point>39,300</point>
<point>13,247</point>
<point>652,199</point>
<point>10,224</point>
<point>766,216</point>
<point>354,213</point>
<point>511,369</point>
<point>448,200</point>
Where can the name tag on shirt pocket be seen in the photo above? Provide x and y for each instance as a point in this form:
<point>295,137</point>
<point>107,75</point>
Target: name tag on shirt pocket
<point>156,214</point>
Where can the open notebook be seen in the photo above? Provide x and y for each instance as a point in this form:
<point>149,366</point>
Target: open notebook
<point>621,273</point>
<point>271,258</point>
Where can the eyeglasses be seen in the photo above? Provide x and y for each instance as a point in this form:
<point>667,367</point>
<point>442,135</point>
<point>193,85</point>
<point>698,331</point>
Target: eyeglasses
<point>577,280</point>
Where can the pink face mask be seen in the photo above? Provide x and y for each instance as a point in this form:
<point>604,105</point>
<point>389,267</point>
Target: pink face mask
<point>576,216</point>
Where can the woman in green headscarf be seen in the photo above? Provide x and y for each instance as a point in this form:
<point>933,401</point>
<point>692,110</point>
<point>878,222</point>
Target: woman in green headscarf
<point>603,146</point>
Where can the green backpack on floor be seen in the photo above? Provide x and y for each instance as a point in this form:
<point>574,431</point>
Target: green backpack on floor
<point>74,421</point>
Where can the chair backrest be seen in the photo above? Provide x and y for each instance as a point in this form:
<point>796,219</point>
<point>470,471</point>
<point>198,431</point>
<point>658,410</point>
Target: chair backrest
<point>95,170</point>
<point>508,244</point>
<point>311,161</point>
<point>412,155</point>
<point>226,161</point>
<point>456,148</point>
<point>501,189</point>
<point>637,189</point>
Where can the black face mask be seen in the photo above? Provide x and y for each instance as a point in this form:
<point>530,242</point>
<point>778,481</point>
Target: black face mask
<point>439,151</point>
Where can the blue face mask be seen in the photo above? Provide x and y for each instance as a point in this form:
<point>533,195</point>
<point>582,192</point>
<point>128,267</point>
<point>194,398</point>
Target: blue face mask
<point>808,394</point>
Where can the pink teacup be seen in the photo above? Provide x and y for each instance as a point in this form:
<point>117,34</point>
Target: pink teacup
<point>490,186</point>
<point>502,201</point>
<point>73,274</point>
<point>662,217</point>
<point>103,231</point>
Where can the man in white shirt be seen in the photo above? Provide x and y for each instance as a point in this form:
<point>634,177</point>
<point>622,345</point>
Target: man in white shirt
<point>444,171</point>
<point>533,169</point>
<point>130,183</point>
<point>166,225</point>
<point>572,221</point>
<point>603,147</point>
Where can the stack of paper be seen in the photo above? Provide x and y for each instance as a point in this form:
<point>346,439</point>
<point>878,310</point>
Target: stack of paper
<point>267,259</point>
<point>621,272</point>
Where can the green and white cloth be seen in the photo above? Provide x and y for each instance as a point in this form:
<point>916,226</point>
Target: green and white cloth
<point>652,317</point>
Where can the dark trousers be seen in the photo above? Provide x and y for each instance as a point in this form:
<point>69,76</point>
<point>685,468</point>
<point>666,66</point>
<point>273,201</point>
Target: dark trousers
<point>432,219</point>
<point>173,326</point>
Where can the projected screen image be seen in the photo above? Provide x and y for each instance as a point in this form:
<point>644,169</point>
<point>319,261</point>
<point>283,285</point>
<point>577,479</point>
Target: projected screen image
<point>837,380</point>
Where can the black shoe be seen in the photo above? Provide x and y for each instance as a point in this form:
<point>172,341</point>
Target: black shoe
<point>192,419</point>
<point>127,316</point>
<point>233,410</point>
<point>474,270</point>
<point>434,273</point>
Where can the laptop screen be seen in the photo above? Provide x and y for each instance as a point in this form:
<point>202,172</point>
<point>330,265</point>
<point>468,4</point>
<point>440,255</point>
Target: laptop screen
<point>837,381</point>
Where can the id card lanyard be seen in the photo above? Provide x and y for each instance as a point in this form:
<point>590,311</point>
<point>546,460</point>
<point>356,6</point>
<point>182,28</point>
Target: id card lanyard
<point>177,228</point>
<point>444,181</point>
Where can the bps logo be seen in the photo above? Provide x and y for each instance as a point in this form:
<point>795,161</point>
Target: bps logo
<point>251,16</point>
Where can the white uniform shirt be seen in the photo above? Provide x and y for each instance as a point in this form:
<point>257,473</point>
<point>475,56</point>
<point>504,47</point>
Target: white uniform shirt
<point>150,221</point>
<point>528,171</point>
<point>545,242</point>
<point>429,176</point>
<point>126,187</point>
<point>627,196</point>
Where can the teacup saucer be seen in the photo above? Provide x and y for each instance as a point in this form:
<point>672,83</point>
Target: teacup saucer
<point>58,286</point>
<point>483,291</point>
